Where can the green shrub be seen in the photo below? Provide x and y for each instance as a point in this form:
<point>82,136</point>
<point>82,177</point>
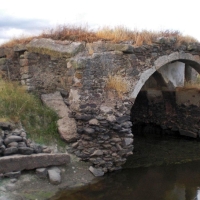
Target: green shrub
<point>17,105</point>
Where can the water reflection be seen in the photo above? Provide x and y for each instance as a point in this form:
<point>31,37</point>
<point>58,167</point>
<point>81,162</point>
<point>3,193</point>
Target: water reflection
<point>173,182</point>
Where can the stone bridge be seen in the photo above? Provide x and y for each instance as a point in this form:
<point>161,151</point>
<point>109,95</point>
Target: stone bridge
<point>101,81</point>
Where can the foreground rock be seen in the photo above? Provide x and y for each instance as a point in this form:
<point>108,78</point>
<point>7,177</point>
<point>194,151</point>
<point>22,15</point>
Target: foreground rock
<point>96,171</point>
<point>27,162</point>
<point>66,126</point>
<point>54,176</point>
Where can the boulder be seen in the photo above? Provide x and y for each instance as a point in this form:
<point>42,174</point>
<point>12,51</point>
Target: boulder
<point>66,126</point>
<point>54,176</point>
<point>55,48</point>
<point>27,162</point>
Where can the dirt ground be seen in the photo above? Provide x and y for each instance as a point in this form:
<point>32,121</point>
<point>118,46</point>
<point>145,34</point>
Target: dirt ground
<point>30,187</point>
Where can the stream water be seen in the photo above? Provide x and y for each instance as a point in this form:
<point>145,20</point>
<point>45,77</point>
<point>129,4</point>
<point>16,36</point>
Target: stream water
<point>161,168</point>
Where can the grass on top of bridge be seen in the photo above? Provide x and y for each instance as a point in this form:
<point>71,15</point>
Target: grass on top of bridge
<point>116,35</point>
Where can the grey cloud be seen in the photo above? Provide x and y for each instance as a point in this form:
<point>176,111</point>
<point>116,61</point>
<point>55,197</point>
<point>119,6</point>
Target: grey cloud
<point>8,23</point>
<point>18,23</point>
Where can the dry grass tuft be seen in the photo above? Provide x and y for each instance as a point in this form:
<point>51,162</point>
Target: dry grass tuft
<point>15,41</point>
<point>117,83</point>
<point>117,35</point>
<point>70,32</point>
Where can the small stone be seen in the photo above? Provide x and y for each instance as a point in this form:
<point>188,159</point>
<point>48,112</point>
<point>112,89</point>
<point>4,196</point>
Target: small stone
<point>12,138</point>
<point>41,172</point>
<point>74,145</point>
<point>94,122</point>
<point>123,119</point>
<point>13,174</point>
<point>128,141</point>
<point>21,144</point>
<point>54,176</point>
<point>25,150</point>
<point>23,134</point>
<point>105,109</point>
<point>97,153</point>
<point>89,130</point>
<point>111,118</point>
<point>11,150</point>
<point>12,144</point>
<point>127,124</point>
<point>96,171</point>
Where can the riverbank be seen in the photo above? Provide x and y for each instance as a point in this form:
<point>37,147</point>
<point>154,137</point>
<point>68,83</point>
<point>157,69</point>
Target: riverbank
<point>30,187</point>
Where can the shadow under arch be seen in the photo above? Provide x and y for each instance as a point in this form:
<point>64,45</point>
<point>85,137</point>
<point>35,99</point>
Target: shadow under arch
<point>187,58</point>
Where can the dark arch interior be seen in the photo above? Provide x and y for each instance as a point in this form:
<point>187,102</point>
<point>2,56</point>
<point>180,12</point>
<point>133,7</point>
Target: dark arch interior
<point>160,118</point>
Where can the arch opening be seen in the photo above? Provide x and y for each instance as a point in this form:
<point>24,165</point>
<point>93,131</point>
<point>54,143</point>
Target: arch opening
<point>165,115</point>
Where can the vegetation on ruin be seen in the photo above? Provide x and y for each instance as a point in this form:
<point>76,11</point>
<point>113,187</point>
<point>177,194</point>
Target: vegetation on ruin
<point>117,35</point>
<point>21,107</point>
<point>118,84</point>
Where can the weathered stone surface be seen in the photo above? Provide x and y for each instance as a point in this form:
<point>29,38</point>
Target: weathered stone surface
<point>10,150</point>
<point>26,162</point>
<point>66,126</point>
<point>20,47</point>
<point>188,133</point>
<point>94,122</point>
<point>99,47</point>
<point>6,125</point>
<point>55,48</point>
<point>54,176</point>
<point>12,144</point>
<point>97,153</point>
<point>12,138</point>
<point>89,130</point>
<point>25,150</point>
<point>96,171</point>
<point>13,174</point>
<point>128,141</point>
<point>41,172</point>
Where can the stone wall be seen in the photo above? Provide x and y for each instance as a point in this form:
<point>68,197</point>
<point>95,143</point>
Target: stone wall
<point>173,111</point>
<point>81,72</point>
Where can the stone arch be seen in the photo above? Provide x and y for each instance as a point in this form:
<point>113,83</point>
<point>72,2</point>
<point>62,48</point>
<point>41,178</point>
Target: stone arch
<point>187,58</point>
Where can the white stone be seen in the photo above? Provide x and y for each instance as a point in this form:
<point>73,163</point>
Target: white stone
<point>94,122</point>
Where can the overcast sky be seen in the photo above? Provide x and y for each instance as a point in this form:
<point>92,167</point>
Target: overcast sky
<point>25,17</point>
